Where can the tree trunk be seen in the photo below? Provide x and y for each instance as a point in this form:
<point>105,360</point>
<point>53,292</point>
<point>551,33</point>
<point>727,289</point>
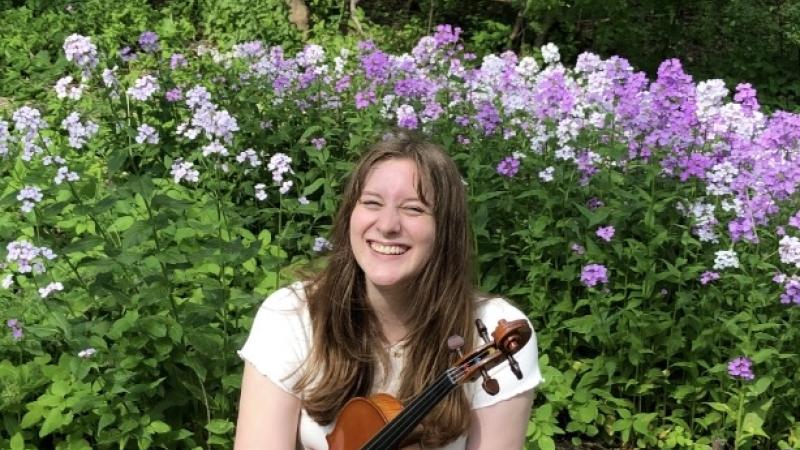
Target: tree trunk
<point>298,14</point>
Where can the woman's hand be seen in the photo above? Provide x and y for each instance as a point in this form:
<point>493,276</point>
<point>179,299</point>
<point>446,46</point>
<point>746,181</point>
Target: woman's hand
<point>268,415</point>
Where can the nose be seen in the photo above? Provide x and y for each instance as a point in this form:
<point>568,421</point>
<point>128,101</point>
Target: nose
<point>389,221</point>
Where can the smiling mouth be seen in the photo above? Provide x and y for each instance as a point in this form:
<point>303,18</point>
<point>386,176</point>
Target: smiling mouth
<point>388,249</point>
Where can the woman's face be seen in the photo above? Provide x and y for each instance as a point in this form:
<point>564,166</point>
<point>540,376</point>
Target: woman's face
<point>391,230</point>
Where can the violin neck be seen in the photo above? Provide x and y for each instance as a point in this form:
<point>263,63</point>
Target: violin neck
<point>395,431</point>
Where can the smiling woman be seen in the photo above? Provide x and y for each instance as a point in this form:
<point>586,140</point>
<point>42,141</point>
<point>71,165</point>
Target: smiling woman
<point>377,318</point>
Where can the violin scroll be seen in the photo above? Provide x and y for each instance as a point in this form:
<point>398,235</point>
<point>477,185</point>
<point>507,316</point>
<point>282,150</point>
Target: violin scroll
<point>506,339</point>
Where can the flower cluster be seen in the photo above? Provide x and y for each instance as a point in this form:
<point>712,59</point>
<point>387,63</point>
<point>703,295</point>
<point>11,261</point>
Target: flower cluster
<point>742,368</point>
<point>29,196</point>
<point>16,329</point>
<point>81,51</point>
<point>146,134</point>
<point>509,166</point>
<point>182,170</point>
<point>79,133</point>
<point>594,274</point>
<point>605,233</point>
<point>708,276</point>
<point>724,259</point>
<point>65,88</point>
<point>789,250</point>
<point>144,88</point>
<point>27,257</point>
<point>148,41</point>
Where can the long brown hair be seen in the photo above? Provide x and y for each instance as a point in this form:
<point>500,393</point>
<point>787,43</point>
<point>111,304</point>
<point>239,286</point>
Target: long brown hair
<point>348,345</point>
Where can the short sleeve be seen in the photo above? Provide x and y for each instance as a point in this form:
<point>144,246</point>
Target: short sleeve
<point>491,311</point>
<point>279,339</point>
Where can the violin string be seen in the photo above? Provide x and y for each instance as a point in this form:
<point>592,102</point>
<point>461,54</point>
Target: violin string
<point>420,406</point>
<point>412,414</point>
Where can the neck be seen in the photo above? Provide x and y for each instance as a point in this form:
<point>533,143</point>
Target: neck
<point>390,305</point>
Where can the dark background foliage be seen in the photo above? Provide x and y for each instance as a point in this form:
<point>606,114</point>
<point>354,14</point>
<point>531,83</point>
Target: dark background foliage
<point>756,41</point>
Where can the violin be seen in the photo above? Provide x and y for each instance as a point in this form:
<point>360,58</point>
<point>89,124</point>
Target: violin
<point>381,422</point>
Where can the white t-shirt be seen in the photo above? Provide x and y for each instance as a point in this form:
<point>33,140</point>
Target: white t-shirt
<point>280,340</point>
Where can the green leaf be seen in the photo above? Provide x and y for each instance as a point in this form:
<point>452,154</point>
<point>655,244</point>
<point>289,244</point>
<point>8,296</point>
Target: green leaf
<point>54,420</point>
<point>546,443</point>
<point>219,426</point>
<point>751,425</point>
<point>157,426</point>
<point>121,224</point>
<point>17,442</point>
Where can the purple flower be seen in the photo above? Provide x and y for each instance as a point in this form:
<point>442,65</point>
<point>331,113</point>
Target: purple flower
<point>364,99</point>
<point>791,291</point>
<point>795,220</point>
<point>80,50</point>
<point>592,274</point>
<point>16,329</point>
<point>144,88</point>
<point>176,61</point>
<point>127,54</point>
<point>376,66</point>
<point>173,95</point>
<point>708,276</point>
<point>146,134</point>
<point>605,233</point>
<point>148,41</point>
<point>594,203</point>
<point>746,96</point>
<point>488,118</point>
<point>577,249</point>
<point>406,117</point>
<point>509,166</point>
<point>741,367</point>
<point>318,143</point>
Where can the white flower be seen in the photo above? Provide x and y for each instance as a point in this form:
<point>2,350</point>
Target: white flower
<point>320,244</point>
<point>261,192</point>
<point>66,89</point>
<point>724,259</point>
<point>546,175</point>
<point>7,282</point>
<point>550,53</point>
<point>285,187</point>
<point>182,170</point>
<point>87,353</point>
<point>50,288</point>
<point>146,134</point>
<point>789,250</point>
<point>303,200</point>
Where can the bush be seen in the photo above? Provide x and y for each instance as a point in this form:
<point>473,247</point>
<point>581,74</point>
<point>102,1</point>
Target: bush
<point>647,227</point>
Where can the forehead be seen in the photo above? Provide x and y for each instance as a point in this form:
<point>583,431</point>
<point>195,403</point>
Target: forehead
<point>396,174</point>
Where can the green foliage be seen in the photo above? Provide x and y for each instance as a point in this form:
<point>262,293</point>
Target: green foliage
<point>162,279</point>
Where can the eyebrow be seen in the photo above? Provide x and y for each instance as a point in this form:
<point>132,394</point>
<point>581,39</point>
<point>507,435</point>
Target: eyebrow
<point>414,199</point>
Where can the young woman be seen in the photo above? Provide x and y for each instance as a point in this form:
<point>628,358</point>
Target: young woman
<point>376,319</point>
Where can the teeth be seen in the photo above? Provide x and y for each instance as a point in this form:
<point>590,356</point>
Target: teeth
<point>388,249</point>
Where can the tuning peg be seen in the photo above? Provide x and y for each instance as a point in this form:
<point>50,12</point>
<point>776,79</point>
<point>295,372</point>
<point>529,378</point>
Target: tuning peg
<point>482,330</point>
<point>454,343</point>
<point>490,385</point>
<point>514,365</point>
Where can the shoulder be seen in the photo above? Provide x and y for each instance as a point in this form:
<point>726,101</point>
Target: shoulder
<point>490,309</point>
<point>288,299</point>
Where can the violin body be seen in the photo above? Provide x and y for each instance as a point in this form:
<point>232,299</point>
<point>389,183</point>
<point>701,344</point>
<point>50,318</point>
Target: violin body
<point>361,419</point>
<point>381,422</point>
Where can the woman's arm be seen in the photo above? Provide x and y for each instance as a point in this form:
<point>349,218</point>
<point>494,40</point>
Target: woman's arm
<point>268,415</point>
<point>501,426</point>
